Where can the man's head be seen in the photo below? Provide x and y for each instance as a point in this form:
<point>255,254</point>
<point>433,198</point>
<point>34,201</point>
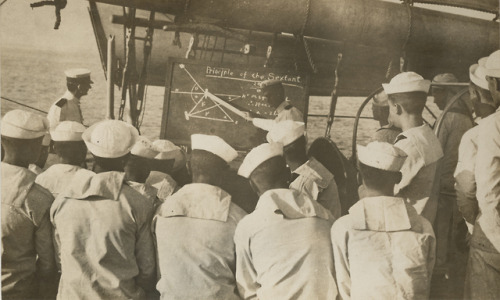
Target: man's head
<point>22,134</point>
<point>273,91</point>
<point>78,81</point>
<point>380,108</point>
<point>481,97</point>
<point>110,143</point>
<point>266,168</point>
<point>170,157</point>
<point>407,94</point>
<point>291,135</point>
<point>492,66</point>
<point>442,94</point>
<point>210,157</point>
<point>137,168</point>
<point>379,166</point>
<point>68,143</point>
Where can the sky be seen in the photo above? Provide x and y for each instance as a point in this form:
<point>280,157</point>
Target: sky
<point>23,27</point>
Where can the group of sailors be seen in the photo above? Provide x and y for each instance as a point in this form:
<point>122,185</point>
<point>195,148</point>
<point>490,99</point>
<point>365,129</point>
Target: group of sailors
<point>134,227</point>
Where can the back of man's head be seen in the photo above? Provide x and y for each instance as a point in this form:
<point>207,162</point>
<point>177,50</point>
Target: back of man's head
<point>71,152</point>
<point>413,103</point>
<point>137,169</point>
<point>379,166</point>
<point>21,152</point>
<point>207,167</point>
<point>271,174</point>
<point>296,150</point>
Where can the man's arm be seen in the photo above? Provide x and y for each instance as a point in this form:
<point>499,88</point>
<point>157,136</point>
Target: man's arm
<point>46,266</point>
<point>340,237</point>
<point>145,254</point>
<point>246,276</point>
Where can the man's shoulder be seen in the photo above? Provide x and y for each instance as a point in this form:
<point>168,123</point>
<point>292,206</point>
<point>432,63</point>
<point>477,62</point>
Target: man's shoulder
<point>38,202</point>
<point>341,226</point>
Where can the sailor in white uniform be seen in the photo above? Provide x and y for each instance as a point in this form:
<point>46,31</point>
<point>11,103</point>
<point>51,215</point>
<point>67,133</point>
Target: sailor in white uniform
<point>67,107</point>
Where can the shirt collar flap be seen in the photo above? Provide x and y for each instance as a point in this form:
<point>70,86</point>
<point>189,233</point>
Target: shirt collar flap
<point>104,185</point>
<point>315,170</point>
<point>291,204</point>
<point>380,214</point>
<point>198,200</point>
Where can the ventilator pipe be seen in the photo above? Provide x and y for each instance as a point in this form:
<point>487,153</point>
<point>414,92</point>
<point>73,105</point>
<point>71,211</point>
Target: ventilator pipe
<point>110,71</point>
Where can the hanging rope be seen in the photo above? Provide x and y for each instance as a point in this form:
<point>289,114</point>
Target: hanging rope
<point>404,62</point>
<point>304,40</point>
<point>22,104</point>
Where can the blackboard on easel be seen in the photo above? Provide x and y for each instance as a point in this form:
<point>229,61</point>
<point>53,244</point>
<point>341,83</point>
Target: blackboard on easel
<point>187,110</point>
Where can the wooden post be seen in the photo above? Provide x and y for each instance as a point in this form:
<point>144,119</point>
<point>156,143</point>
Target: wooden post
<point>110,75</point>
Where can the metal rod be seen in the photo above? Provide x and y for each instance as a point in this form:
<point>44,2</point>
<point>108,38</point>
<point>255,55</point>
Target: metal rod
<point>110,72</point>
<point>22,104</point>
<point>337,116</point>
<point>450,84</point>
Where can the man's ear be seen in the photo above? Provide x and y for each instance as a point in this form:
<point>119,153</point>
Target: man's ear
<point>254,187</point>
<point>399,176</point>
<point>399,109</point>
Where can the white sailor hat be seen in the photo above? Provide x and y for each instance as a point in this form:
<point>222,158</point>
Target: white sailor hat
<point>215,145</point>
<point>168,150</point>
<point>68,131</point>
<point>143,148</point>
<point>492,64</point>
<point>78,74</point>
<point>110,138</point>
<point>257,156</point>
<point>477,73</point>
<point>21,124</point>
<point>269,82</point>
<point>407,82</point>
<point>381,155</point>
<point>445,78</point>
<point>286,132</point>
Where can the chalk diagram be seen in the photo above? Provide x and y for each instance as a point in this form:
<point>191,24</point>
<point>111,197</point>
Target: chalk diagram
<point>210,106</point>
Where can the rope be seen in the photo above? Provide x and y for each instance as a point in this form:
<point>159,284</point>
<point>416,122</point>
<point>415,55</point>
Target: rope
<point>409,4</point>
<point>3,2</point>
<point>22,104</point>
<point>306,44</point>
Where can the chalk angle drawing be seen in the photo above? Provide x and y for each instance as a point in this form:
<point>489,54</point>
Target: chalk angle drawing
<point>205,107</point>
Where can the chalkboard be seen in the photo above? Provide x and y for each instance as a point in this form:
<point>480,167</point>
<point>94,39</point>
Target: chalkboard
<point>187,108</point>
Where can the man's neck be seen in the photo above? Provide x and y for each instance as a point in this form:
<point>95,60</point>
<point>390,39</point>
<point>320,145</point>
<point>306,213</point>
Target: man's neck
<point>411,121</point>
<point>15,162</point>
<point>387,192</point>
<point>294,165</point>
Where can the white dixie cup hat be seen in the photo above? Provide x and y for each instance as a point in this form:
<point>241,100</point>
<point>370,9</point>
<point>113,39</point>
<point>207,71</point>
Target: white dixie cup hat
<point>407,82</point>
<point>21,124</point>
<point>257,156</point>
<point>477,73</point>
<point>381,155</point>
<point>286,132</point>
<point>214,145</point>
<point>68,131</point>
<point>110,138</point>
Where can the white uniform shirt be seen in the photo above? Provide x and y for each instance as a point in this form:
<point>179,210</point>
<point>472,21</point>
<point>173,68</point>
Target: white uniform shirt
<point>418,184</point>
<point>283,249</point>
<point>68,110</point>
<point>487,173</point>
<point>194,234</point>
<point>319,184</point>
<point>383,250</point>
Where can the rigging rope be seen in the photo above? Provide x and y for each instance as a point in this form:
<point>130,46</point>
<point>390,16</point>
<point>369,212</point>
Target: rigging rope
<point>3,2</point>
<point>22,104</point>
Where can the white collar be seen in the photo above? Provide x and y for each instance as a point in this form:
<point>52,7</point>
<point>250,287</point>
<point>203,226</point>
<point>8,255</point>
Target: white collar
<point>380,214</point>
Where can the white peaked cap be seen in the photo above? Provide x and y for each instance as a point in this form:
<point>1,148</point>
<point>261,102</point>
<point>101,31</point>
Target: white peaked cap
<point>215,145</point>
<point>492,64</point>
<point>143,148</point>
<point>286,132</point>
<point>407,82</point>
<point>68,131</point>
<point>477,73</point>
<point>110,138</point>
<point>21,124</point>
<point>381,155</point>
<point>257,156</point>
<point>77,73</point>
